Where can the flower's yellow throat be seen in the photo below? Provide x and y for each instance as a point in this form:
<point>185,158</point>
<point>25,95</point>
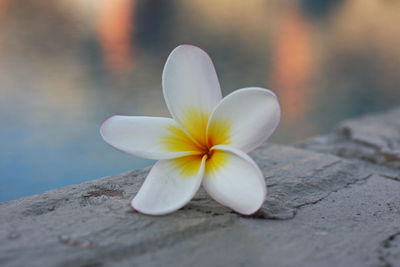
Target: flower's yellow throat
<point>200,142</point>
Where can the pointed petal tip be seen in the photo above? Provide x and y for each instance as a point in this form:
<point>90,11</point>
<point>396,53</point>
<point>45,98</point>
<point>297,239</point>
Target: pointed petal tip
<point>151,212</point>
<point>252,212</point>
<point>266,90</point>
<point>136,210</point>
<point>188,46</point>
<point>103,125</point>
<point>254,89</point>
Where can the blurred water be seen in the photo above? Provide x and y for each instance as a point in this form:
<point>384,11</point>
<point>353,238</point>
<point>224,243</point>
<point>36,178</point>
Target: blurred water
<point>67,65</point>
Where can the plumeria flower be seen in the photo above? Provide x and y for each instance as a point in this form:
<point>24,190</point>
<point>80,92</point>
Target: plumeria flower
<point>205,142</point>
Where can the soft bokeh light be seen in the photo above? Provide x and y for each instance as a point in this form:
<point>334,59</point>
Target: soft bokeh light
<point>67,65</point>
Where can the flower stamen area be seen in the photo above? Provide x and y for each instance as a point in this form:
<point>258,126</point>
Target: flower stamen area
<point>200,143</point>
<point>190,165</point>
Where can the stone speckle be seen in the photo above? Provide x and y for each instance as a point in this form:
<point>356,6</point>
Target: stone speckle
<point>334,208</point>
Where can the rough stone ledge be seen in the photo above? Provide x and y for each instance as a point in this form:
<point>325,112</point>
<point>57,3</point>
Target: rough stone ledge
<point>344,209</point>
<point>389,250</point>
<point>375,138</point>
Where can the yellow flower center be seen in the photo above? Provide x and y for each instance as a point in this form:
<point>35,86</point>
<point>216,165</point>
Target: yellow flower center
<point>199,141</point>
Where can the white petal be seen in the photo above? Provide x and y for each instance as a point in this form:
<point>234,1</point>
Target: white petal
<point>191,88</point>
<point>234,180</point>
<point>170,185</point>
<point>246,117</point>
<point>147,137</point>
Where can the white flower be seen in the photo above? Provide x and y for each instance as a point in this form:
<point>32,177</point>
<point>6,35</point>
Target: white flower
<point>206,141</point>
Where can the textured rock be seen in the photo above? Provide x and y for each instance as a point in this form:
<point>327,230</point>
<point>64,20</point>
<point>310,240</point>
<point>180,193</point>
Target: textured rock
<point>389,252</point>
<point>296,178</point>
<point>375,138</point>
<point>321,210</point>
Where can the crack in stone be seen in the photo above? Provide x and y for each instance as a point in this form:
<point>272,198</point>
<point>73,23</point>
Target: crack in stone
<point>347,185</point>
<point>397,179</point>
<point>384,250</point>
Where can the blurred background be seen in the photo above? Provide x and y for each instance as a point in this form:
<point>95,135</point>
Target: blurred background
<point>67,65</point>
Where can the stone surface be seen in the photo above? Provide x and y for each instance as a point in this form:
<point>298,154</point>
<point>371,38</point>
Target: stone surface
<point>375,138</point>
<point>322,209</point>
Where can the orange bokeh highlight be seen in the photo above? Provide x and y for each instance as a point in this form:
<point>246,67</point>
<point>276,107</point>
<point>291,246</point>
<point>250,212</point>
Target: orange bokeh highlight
<point>3,7</point>
<point>115,27</point>
<point>293,63</point>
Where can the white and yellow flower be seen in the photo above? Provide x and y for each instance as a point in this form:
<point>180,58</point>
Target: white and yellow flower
<point>206,141</point>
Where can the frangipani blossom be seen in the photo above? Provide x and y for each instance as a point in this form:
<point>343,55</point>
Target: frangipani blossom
<point>206,141</point>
